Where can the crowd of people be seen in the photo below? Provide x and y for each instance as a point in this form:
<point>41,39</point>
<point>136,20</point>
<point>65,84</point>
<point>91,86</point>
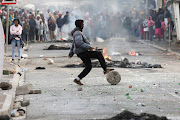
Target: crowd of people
<point>38,25</point>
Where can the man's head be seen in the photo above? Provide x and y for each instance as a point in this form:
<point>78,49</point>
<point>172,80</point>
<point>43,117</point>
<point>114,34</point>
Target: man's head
<point>79,23</point>
<point>60,15</point>
<point>67,13</point>
<point>38,17</point>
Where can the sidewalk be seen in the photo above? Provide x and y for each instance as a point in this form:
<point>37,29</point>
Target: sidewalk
<point>164,46</point>
<point>7,97</point>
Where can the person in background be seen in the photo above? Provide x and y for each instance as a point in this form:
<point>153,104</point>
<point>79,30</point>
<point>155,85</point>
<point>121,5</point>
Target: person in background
<point>163,28</point>
<point>37,27</point>
<point>16,31</point>
<point>66,18</point>
<point>60,24</point>
<point>52,27</point>
<point>158,29</point>
<point>170,27</point>
<point>26,29</point>
<point>85,52</point>
<point>45,29</point>
<point>146,29</point>
<point>32,24</point>
<point>151,23</point>
<point>40,31</point>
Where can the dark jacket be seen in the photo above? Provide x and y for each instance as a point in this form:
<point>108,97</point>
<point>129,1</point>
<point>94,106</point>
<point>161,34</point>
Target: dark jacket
<point>32,24</point>
<point>158,24</point>
<point>59,22</point>
<point>66,19</point>
<point>80,43</point>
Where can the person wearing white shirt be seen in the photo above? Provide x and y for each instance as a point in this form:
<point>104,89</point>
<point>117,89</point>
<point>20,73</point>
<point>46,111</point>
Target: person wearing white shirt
<point>16,31</point>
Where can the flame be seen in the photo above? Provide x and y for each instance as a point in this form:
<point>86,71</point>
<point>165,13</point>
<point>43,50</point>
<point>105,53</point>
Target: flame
<point>132,53</point>
<point>105,54</point>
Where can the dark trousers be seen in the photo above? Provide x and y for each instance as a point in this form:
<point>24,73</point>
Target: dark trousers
<point>31,34</point>
<point>86,58</point>
<point>25,35</point>
<point>37,36</point>
<point>151,33</point>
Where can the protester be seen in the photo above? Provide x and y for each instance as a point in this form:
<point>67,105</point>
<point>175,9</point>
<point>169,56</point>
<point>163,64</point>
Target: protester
<point>60,24</point>
<point>151,23</point>
<point>52,27</point>
<point>45,29</point>
<point>40,31</point>
<point>170,27</point>
<point>37,27</point>
<point>158,29</point>
<point>83,49</point>
<point>146,29</point>
<point>16,31</point>
<point>163,28</point>
<point>26,29</point>
<point>32,24</point>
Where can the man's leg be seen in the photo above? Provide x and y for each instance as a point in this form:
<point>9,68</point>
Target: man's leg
<point>88,67</point>
<point>99,56</point>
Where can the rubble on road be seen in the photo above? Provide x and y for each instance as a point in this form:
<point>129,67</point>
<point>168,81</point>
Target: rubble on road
<point>127,115</point>
<point>4,117</point>
<point>35,92</point>
<point>50,61</point>
<point>5,86</point>
<point>119,64</point>
<point>57,47</point>
<point>25,89</point>
<point>25,103</point>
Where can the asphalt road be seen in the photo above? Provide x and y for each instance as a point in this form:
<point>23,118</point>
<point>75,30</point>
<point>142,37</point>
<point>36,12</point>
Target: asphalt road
<point>61,100</point>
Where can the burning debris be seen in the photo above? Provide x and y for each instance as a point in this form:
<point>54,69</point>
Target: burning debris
<point>126,115</point>
<point>119,64</point>
<point>57,47</point>
<point>133,53</point>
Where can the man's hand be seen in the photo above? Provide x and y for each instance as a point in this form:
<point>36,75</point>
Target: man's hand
<point>91,49</point>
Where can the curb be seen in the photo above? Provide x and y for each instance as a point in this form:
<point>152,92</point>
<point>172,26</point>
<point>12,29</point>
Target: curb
<point>161,48</point>
<point>10,95</point>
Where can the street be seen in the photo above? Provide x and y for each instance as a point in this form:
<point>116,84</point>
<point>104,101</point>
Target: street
<point>154,91</point>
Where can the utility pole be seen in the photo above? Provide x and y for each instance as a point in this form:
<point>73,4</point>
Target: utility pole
<point>7,29</point>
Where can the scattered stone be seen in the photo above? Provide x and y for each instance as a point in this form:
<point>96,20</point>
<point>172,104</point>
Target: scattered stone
<point>25,89</point>
<point>142,90</point>
<point>113,77</point>
<point>40,68</point>
<point>176,93</point>
<point>45,59</point>
<point>25,56</point>
<point>80,89</point>
<point>25,103</point>
<point>50,61</point>
<point>12,71</point>
<point>116,54</point>
<point>5,86</point>
<point>4,117</point>
<point>35,92</point>
<point>126,115</point>
<point>130,86</point>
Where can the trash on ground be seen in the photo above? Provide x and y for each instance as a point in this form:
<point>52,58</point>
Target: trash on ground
<point>40,68</point>
<point>116,54</point>
<point>6,72</point>
<point>19,74</point>
<point>4,117</point>
<point>133,53</point>
<point>169,54</point>
<point>25,56</point>
<point>14,113</point>
<point>127,115</point>
<point>17,105</point>
<point>41,56</point>
<point>80,89</point>
<point>130,86</point>
<point>57,47</point>
<point>21,112</point>
<point>99,39</point>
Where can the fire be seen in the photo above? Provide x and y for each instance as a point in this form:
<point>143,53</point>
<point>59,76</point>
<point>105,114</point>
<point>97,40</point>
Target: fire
<point>132,53</point>
<point>105,54</point>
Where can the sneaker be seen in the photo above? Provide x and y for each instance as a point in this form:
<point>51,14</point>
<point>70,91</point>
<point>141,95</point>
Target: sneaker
<point>107,71</point>
<point>78,82</point>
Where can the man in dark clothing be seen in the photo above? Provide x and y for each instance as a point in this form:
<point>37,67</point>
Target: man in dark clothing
<point>85,52</point>
<point>66,18</point>
<point>60,24</point>
<point>32,24</point>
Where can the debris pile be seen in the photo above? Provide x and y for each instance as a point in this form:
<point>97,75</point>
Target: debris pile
<point>57,47</point>
<point>120,64</point>
<point>126,115</point>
